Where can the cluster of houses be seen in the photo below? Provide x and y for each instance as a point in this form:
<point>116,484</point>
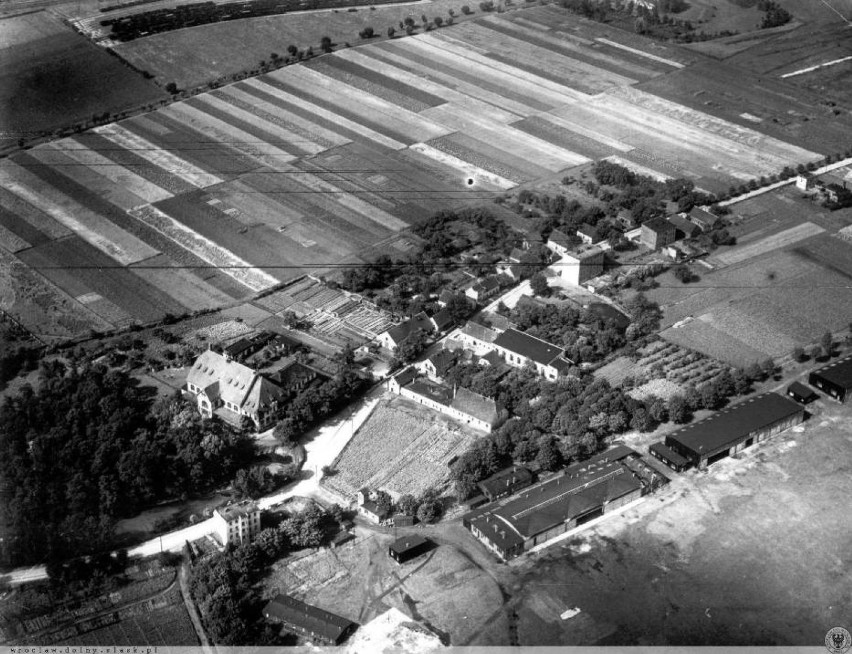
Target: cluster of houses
<point>829,190</point>
<point>668,233</point>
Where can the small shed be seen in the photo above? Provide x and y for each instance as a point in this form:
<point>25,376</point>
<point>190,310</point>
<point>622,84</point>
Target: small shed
<point>801,393</point>
<point>668,456</point>
<point>408,547</point>
<point>402,520</point>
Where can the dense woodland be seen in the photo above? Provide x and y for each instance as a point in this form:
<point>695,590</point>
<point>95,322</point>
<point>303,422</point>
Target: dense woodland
<point>91,446</point>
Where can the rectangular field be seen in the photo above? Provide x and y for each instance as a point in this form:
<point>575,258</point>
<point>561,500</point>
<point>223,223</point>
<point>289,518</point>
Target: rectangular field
<point>401,448</point>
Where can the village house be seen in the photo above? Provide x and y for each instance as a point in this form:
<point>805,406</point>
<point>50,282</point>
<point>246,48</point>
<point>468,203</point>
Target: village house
<point>477,337</point>
<point>589,234</point>
<point>437,365</point>
<point>441,321</point>
<point>231,390</point>
<point>395,335</point>
<point>805,181</point>
<point>236,523</point>
<point>484,289</point>
<point>369,509</point>
<point>683,227</point>
<point>559,242</point>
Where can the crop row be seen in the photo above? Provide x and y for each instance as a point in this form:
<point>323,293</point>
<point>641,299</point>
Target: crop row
<point>448,145</point>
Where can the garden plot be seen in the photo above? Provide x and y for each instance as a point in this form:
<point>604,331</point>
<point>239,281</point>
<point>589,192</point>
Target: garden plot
<point>457,80</point>
<point>157,156</point>
<point>33,218</point>
<point>401,448</point>
<point>543,127</point>
<point>89,177</point>
<point>10,241</point>
<point>262,129</point>
<point>204,248</point>
<point>95,229</point>
<point>524,145</point>
<point>103,166</point>
<point>485,156</point>
<point>703,336</point>
<point>566,70</point>
<point>365,105</point>
<point>185,287</point>
<point>480,175</point>
<point>268,111</point>
<point>365,57</point>
<point>445,48</point>
<point>515,27</point>
<point>223,132</point>
<point>267,85</point>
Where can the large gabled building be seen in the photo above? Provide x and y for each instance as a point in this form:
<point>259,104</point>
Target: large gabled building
<point>734,428</point>
<point>308,621</point>
<point>519,349</point>
<point>580,493</point>
<point>835,379</point>
<point>232,390</point>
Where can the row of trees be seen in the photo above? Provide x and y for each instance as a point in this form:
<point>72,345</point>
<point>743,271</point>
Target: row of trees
<point>91,446</point>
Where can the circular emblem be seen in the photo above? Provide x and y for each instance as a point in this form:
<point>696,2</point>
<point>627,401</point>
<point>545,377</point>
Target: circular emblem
<point>838,640</point>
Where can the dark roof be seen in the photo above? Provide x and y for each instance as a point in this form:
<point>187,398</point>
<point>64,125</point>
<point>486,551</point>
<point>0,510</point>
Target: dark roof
<point>702,215</point>
<point>800,390</point>
<point>668,454</point>
<point>477,406</point>
<point>493,358</point>
<point>529,346</point>
<point>659,226</point>
<point>442,319</point>
<point>589,230</point>
<point>293,374</point>
<point>581,488</point>
<point>402,331</point>
<point>683,225</point>
<point>443,361</point>
<point>724,428</point>
<point>560,238</point>
<point>408,543</point>
<point>839,372</point>
<point>313,619</point>
<point>488,284</point>
<point>405,376</point>
<point>434,392</point>
<point>373,508</point>
<point>508,477</point>
<point>238,347</point>
<point>562,365</point>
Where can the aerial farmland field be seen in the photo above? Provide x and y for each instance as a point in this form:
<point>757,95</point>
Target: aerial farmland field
<point>324,162</point>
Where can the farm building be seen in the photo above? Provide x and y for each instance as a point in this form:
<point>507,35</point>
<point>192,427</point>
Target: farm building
<point>391,338</point>
<point>236,523</point>
<point>519,349</point>
<point>705,220</point>
<point>657,233</point>
<point>580,493</point>
<point>402,520</point>
<point>401,378</point>
<point>231,390</point>
<point>589,234</point>
<point>835,379</point>
<point>370,509</point>
<point>463,405</point>
<point>801,393</point>
<point>683,227</point>
<point>735,428</point>
<point>408,547</point>
<point>308,621</point>
<point>668,456</point>
<point>505,482</point>
<point>582,264</point>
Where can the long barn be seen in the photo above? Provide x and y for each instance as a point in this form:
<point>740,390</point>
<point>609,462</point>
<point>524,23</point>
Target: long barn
<point>735,428</point>
<point>835,379</point>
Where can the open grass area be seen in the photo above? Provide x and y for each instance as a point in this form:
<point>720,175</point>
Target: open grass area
<point>51,76</point>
